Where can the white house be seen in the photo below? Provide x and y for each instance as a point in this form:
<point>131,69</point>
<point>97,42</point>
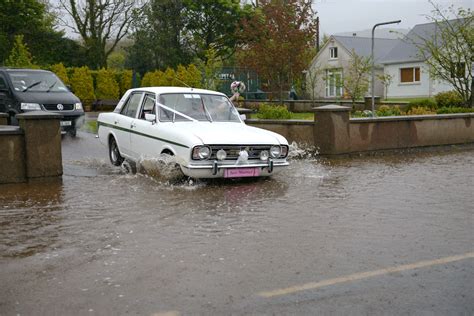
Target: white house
<point>408,70</point>
<point>326,71</point>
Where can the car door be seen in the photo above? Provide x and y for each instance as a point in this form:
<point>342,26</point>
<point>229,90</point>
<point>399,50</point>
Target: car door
<point>145,140</point>
<point>124,123</point>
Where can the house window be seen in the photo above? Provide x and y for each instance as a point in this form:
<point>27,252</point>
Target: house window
<point>411,74</point>
<point>333,83</point>
<point>333,52</point>
<point>459,70</point>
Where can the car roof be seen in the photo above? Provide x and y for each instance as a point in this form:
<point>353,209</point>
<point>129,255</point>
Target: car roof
<point>160,90</point>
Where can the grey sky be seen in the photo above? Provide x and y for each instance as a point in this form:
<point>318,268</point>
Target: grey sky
<point>354,15</point>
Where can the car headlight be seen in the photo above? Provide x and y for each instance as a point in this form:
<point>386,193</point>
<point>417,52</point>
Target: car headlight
<point>264,155</point>
<point>221,154</point>
<point>30,106</point>
<point>201,152</point>
<point>275,151</point>
<point>78,106</point>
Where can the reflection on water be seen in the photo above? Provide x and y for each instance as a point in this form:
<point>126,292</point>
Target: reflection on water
<point>99,207</point>
<point>30,217</point>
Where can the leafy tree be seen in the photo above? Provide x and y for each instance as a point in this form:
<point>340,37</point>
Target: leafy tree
<point>32,19</point>
<point>278,41</point>
<point>210,69</point>
<point>356,77</point>
<point>20,55</point>
<point>116,60</point>
<point>101,25</point>
<point>172,32</point>
<point>449,52</point>
<point>106,86</point>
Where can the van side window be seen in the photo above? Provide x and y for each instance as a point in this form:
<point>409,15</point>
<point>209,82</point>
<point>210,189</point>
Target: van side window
<point>130,109</point>
<point>3,84</point>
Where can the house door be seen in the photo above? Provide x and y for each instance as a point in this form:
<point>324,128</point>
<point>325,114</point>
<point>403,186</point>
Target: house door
<point>333,83</point>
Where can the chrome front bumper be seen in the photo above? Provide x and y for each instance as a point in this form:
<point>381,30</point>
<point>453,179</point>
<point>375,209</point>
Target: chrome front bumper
<point>215,167</point>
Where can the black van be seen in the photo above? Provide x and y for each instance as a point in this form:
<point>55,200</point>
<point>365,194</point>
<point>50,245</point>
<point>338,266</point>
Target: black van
<point>23,90</point>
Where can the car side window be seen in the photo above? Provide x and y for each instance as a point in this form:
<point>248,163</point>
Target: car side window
<point>148,105</point>
<point>130,109</point>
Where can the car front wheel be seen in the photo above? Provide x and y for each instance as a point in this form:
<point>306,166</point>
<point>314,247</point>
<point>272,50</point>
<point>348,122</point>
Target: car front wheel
<point>114,153</point>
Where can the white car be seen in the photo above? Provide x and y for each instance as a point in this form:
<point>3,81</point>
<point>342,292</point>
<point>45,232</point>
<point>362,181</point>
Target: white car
<point>200,128</point>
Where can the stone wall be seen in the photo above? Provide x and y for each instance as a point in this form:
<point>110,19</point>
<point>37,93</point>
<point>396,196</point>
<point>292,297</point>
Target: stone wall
<point>334,132</point>
<point>32,150</point>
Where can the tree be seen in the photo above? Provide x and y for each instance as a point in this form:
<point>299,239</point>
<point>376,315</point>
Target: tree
<point>449,51</point>
<point>313,76</point>
<point>277,41</point>
<point>386,80</point>
<point>61,72</point>
<point>106,87</point>
<point>101,25</point>
<point>210,69</point>
<point>20,55</point>
<point>356,77</point>
<point>83,85</point>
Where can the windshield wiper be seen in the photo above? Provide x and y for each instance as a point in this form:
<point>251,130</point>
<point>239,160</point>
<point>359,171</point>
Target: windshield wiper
<point>208,115</point>
<point>31,86</point>
<point>51,86</point>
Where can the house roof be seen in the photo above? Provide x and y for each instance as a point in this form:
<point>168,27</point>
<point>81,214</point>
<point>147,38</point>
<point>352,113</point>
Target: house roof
<point>362,46</point>
<point>407,49</point>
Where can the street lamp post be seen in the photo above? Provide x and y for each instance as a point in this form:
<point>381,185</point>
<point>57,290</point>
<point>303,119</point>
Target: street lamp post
<point>372,83</point>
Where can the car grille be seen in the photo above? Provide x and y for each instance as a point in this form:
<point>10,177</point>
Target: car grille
<point>54,107</point>
<point>234,150</point>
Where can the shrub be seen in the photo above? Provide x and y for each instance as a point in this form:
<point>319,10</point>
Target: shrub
<point>425,103</point>
<point>82,85</point>
<point>125,80</point>
<point>106,86</point>
<point>450,110</point>
<point>61,72</point>
<point>278,112</point>
<point>420,111</point>
<point>449,98</point>
<point>386,110</point>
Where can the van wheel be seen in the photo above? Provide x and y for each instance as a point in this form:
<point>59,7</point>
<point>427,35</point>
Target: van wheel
<point>114,153</point>
<point>72,133</point>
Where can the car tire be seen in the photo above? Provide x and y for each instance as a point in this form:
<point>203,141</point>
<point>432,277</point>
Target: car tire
<point>72,133</point>
<point>114,153</point>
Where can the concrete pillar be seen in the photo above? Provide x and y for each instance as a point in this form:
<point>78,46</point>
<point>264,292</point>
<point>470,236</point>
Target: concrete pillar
<point>42,132</point>
<point>331,129</point>
<point>3,118</point>
<point>12,153</point>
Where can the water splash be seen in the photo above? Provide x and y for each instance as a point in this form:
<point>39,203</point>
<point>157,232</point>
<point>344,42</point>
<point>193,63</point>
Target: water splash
<point>302,151</point>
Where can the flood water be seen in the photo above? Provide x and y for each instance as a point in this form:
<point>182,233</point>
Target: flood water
<point>101,241</point>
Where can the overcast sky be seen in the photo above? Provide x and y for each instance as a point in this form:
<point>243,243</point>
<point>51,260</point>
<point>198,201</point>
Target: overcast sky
<point>338,16</point>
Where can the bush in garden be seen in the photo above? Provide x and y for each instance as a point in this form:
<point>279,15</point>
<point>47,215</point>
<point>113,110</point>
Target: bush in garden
<point>106,86</point>
<point>451,110</point>
<point>82,85</point>
<point>194,78</point>
<point>420,111</point>
<point>61,72</point>
<point>386,110</point>
<point>449,98</point>
<point>425,103</point>
<point>277,112</point>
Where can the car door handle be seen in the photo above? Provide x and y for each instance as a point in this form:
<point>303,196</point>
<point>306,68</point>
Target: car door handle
<point>133,125</point>
<point>116,122</point>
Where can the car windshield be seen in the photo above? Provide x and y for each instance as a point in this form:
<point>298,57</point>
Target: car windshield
<point>36,81</point>
<point>201,107</point>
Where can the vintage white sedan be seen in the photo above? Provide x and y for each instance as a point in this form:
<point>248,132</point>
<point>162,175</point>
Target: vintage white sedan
<point>202,130</point>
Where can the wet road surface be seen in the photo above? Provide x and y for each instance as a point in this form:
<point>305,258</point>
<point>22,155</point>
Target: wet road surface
<point>392,234</point>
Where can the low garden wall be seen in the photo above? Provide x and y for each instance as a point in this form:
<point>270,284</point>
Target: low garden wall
<point>31,150</point>
<point>334,132</point>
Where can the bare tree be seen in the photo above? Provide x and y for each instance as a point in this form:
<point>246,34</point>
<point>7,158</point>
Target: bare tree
<point>100,23</point>
<point>449,50</point>
<point>386,80</point>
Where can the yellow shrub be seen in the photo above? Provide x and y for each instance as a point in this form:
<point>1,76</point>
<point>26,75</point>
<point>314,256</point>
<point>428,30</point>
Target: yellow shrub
<point>106,86</point>
<point>61,72</point>
<point>82,84</point>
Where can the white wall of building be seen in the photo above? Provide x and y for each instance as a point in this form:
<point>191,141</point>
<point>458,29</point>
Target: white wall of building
<point>425,88</point>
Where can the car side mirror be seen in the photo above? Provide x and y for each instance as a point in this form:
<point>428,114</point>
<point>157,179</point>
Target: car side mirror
<point>150,117</point>
<point>243,117</point>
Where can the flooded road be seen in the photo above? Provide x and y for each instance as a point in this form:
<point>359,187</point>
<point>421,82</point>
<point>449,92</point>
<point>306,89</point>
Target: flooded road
<point>104,242</point>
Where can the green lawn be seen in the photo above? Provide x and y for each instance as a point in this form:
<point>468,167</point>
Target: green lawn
<point>303,116</point>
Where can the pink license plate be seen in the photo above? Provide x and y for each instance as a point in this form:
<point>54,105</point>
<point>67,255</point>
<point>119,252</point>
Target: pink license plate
<point>241,172</point>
